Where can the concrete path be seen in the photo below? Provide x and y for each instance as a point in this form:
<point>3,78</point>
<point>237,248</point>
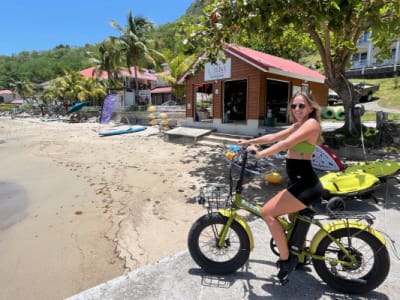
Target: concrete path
<point>178,277</point>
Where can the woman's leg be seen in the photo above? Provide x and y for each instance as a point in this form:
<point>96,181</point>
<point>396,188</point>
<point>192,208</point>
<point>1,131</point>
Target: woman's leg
<point>282,203</point>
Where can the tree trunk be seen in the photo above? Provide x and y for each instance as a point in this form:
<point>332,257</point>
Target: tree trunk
<point>352,121</point>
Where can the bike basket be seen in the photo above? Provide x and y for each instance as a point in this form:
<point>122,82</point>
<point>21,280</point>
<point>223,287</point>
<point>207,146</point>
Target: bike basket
<point>215,195</point>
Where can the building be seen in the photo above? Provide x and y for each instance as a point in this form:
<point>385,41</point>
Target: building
<point>149,91</point>
<point>247,92</point>
<point>6,96</point>
<point>366,65</point>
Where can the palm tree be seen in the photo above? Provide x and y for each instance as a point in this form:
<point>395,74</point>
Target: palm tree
<point>110,61</point>
<point>74,86</point>
<point>137,45</point>
<point>23,88</point>
<point>177,66</point>
<point>55,91</point>
<point>94,90</point>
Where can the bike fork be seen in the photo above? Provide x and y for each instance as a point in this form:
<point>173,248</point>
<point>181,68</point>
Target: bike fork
<point>225,229</point>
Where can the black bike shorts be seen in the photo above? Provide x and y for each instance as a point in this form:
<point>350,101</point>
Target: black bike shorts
<point>303,183</point>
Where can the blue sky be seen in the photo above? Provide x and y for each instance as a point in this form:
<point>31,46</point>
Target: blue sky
<point>27,25</point>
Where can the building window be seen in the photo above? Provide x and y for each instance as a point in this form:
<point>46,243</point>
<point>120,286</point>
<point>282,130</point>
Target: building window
<point>235,101</point>
<point>203,102</point>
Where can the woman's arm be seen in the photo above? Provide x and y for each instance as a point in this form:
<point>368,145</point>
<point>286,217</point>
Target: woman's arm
<point>268,138</point>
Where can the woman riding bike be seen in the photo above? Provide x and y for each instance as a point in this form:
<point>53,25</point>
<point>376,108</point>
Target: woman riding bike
<point>304,187</point>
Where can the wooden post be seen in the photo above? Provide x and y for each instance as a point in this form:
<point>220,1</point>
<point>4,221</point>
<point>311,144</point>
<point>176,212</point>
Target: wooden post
<point>381,117</point>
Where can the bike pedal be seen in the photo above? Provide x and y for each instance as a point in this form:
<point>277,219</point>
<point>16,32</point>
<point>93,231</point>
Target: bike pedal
<point>284,281</point>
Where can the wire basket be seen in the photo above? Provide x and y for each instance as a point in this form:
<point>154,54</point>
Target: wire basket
<point>215,196</point>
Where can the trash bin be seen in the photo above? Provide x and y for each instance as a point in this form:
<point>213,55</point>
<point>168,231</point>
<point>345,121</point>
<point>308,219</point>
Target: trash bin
<point>269,121</point>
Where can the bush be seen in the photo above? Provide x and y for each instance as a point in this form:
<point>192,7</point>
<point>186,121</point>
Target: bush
<point>7,106</point>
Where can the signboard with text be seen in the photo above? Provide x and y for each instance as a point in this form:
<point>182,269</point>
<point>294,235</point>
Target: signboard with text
<point>217,71</point>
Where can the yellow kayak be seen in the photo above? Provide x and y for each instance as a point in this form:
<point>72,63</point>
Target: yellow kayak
<point>382,168</point>
<point>348,184</point>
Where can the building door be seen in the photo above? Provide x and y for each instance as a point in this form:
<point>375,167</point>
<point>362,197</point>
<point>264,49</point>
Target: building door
<point>235,101</point>
<point>277,100</point>
<point>203,95</point>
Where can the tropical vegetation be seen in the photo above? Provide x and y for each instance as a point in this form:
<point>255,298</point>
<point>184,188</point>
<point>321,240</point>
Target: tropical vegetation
<point>290,29</point>
<point>329,27</point>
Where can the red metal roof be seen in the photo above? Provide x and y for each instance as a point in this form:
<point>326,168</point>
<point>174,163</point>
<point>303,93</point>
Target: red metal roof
<point>273,64</point>
<point>88,73</point>
<point>17,101</point>
<point>161,90</point>
<point>5,92</point>
<point>267,63</point>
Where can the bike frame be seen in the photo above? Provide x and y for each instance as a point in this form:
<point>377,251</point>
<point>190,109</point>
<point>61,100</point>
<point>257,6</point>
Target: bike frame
<point>288,225</point>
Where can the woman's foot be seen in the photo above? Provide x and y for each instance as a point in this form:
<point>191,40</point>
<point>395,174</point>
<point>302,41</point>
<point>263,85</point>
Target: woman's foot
<point>286,267</point>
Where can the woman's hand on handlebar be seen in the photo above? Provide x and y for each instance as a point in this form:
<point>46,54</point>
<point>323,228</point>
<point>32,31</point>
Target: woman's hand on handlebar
<point>249,147</point>
<point>242,142</point>
<point>252,149</point>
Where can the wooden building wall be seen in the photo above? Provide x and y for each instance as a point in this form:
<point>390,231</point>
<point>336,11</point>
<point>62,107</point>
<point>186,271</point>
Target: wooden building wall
<point>256,89</point>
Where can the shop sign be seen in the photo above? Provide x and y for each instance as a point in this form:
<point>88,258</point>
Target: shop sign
<point>217,71</point>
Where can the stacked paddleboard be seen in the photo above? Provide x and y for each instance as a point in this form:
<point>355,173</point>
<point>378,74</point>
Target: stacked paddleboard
<point>122,131</point>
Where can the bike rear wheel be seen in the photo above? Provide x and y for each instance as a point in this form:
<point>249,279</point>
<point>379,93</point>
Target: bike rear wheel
<point>370,270</point>
<point>203,240</point>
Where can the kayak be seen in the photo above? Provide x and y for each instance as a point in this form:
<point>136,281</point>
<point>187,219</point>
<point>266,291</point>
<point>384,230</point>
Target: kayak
<point>380,168</point>
<point>348,184</point>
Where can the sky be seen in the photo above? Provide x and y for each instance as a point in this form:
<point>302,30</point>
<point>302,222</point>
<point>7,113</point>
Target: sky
<point>41,25</point>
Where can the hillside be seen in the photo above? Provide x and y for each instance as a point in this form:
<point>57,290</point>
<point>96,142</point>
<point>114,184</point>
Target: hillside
<point>41,66</point>
<point>388,94</point>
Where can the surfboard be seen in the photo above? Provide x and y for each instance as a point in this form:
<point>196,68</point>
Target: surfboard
<point>122,131</point>
<point>326,160</point>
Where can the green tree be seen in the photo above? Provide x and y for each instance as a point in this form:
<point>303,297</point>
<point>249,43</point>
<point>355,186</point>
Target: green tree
<point>23,88</point>
<point>93,90</point>
<point>177,66</point>
<point>109,60</point>
<point>136,45</point>
<point>55,91</point>
<point>74,89</point>
<point>333,27</point>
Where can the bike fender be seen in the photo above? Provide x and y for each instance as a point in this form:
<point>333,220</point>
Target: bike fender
<point>340,224</point>
<point>242,222</point>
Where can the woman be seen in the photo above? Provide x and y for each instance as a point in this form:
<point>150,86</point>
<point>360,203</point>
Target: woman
<point>304,186</point>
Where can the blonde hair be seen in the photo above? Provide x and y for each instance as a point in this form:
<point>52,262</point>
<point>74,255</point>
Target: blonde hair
<point>315,114</point>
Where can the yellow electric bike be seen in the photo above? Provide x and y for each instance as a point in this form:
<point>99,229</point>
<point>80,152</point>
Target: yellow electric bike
<point>346,251</point>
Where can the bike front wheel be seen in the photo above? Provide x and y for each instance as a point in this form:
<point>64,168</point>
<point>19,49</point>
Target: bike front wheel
<point>203,244</point>
<point>370,270</point>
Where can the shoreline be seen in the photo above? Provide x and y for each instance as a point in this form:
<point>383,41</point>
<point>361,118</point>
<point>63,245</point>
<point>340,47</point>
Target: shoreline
<point>97,207</point>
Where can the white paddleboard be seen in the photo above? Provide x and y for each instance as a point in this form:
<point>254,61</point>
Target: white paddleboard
<point>324,159</point>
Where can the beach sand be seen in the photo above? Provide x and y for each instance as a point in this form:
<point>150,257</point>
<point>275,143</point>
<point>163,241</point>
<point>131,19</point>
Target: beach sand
<point>77,209</point>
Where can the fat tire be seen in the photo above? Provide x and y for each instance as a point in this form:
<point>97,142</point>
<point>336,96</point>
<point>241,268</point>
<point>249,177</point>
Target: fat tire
<point>335,204</point>
<point>204,260</point>
<point>375,276</point>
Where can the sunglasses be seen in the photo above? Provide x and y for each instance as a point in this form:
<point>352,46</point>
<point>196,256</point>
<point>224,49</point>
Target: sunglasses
<point>299,105</point>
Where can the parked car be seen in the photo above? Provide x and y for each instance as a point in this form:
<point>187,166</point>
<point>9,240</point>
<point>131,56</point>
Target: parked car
<point>365,90</point>
<point>334,99</point>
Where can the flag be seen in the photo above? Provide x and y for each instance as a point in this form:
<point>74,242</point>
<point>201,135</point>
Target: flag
<point>108,107</point>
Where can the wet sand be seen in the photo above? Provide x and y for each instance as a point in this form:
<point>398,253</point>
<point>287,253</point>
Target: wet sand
<point>77,209</point>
